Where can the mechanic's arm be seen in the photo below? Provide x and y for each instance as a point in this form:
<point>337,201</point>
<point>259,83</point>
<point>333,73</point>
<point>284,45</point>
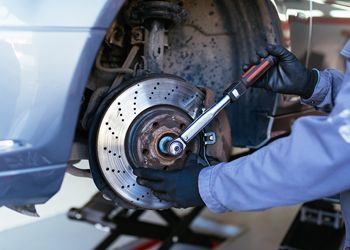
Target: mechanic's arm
<point>310,163</point>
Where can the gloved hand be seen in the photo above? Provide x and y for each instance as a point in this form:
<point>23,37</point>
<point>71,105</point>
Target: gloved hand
<point>178,186</point>
<point>288,76</point>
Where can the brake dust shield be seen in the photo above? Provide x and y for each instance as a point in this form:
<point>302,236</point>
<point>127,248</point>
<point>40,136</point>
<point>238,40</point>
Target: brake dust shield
<point>126,132</point>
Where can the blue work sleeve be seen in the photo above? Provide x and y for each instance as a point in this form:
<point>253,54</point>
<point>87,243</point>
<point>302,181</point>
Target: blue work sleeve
<point>313,162</point>
<point>326,90</point>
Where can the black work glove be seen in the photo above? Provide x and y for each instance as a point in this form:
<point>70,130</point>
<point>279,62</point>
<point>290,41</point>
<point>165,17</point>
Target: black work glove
<point>180,187</point>
<point>288,76</point>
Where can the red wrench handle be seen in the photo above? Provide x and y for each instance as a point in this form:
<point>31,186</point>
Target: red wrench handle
<point>256,71</point>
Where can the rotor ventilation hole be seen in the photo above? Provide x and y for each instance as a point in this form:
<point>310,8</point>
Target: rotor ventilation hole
<point>155,125</point>
<point>145,151</point>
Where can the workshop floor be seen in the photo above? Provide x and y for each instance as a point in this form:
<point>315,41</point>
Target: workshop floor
<point>260,230</point>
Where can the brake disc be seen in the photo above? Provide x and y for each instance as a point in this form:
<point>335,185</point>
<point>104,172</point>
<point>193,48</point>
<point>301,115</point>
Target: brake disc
<point>126,134</point>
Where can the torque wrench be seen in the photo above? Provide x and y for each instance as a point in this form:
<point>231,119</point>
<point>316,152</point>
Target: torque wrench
<point>232,93</point>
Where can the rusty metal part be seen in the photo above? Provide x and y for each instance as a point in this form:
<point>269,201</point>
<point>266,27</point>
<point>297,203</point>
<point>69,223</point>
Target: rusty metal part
<point>146,133</point>
<point>137,35</point>
<point>221,150</point>
<point>116,35</point>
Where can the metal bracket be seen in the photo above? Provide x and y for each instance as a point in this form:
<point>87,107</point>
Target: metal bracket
<point>209,138</point>
<point>137,35</point>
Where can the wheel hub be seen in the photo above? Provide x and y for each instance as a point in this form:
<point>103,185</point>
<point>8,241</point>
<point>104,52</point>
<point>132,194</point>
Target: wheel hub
<point>151,130</point>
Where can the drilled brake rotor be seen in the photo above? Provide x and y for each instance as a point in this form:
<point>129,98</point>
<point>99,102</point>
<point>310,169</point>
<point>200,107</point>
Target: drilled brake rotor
<point>129,131</point>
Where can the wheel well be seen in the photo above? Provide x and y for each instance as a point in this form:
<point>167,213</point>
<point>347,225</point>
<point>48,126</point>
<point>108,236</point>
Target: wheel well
<point>208,49</point>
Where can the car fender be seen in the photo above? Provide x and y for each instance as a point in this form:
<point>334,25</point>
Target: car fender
<point>48,49</point>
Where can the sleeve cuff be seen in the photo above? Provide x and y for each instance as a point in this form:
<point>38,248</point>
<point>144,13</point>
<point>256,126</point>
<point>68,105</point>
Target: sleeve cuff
<point>205,190</point>
<point>321,90</point>
<point>346,50</point>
